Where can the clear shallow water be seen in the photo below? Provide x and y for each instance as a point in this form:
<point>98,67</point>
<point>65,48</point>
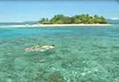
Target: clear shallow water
<point>81,54</point>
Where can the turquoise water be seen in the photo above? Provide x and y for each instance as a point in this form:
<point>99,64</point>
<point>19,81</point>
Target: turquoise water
<point>81,54</point>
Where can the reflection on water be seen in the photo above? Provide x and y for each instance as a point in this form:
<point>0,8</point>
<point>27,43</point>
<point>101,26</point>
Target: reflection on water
<point>86,54</point>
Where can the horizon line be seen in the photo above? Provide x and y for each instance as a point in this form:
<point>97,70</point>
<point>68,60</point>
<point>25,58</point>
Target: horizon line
<point>43,17</point>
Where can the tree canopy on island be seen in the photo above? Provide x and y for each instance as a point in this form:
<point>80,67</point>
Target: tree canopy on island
<point>77,19</point>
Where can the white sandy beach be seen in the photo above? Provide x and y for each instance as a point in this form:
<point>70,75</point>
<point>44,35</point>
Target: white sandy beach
<point>58,25</point>
<point>55,25</point>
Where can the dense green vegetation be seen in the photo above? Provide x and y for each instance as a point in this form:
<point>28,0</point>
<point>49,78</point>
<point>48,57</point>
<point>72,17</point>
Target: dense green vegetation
<point>77,19</point>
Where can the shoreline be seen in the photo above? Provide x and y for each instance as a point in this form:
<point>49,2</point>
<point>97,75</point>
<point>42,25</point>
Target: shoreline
<point>54,25</point>
<point>58,25</point>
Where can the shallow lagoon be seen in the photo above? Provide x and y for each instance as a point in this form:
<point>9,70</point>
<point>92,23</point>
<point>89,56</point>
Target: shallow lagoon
<point>81,54</point>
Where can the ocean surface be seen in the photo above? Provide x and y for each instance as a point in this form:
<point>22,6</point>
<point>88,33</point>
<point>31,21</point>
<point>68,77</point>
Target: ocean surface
<point>81,54</point>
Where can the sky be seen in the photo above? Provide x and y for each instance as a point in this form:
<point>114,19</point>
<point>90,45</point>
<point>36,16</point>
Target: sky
<point>18,11</point>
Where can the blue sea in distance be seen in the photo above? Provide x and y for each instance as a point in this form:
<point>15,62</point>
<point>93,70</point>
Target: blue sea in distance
<point>81,54</point>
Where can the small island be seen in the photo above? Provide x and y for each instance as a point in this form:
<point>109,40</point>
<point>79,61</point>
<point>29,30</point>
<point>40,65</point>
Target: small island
<point>77,20</point>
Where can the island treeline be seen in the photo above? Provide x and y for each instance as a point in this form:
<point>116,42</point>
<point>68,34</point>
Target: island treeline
<point>77,19</point>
